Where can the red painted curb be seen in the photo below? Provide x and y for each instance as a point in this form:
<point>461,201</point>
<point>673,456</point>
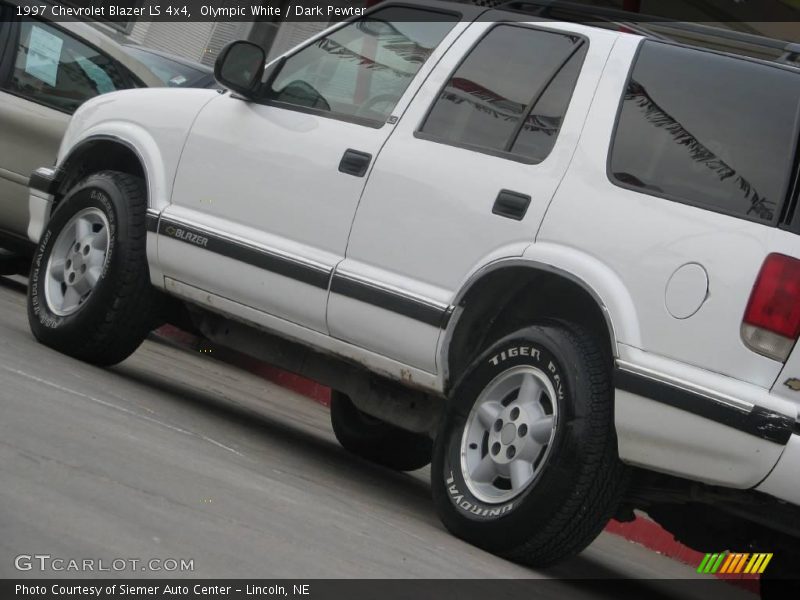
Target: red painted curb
<point>651,535</point>
<point>296,383</point>
<point>641,530</point>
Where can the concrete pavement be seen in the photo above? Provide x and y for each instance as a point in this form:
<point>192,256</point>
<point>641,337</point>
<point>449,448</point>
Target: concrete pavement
<point>175,455</point>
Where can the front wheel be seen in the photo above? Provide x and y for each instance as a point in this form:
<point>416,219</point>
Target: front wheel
<point>526,463</point>
<point>89,292</point>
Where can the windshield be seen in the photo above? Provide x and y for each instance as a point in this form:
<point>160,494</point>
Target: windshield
<point>171,72</point>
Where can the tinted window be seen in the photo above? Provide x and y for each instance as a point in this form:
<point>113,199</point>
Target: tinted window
<point>490,93</point>
<point>538,134</point>
<point>709,130</point>
<point>362,69</point>
<point>171,72</point>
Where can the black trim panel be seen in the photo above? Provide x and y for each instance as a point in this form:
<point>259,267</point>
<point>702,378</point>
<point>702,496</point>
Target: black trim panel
<point>760,422</point>
<point>355,162</point>
<point>256,257</point>
<point>390,300</point>
<point>151,221</point>
<point>320,277</point>
<point>45,180</point>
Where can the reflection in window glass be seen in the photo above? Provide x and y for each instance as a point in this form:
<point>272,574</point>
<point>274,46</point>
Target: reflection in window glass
<point>709,130</point>
<point>54,69</point>
<point>486,97</point>
<point>171,72</point>
<point>362,69</point>
<point>538,135</point>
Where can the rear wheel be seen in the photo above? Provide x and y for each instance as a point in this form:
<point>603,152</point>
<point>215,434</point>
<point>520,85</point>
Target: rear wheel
<point>526,463</point>
<point>376,440</point>
<point>89,292</point>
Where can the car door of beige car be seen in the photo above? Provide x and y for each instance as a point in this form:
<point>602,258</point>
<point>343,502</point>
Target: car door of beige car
<point>45,74</point>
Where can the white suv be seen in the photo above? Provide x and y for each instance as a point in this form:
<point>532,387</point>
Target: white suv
<point>563,260</point>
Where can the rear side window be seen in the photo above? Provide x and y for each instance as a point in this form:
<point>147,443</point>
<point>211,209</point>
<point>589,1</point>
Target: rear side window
<point>708,130</point>
<point>510,94</point>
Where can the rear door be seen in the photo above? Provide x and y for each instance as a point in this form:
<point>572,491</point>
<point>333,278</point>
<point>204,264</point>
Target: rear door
<point>465,179</point>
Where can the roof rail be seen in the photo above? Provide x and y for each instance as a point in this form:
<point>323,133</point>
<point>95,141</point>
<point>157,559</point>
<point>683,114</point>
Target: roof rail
<point>652,26</point>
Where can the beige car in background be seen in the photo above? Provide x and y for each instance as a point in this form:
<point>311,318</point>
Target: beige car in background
<point>47,70</point>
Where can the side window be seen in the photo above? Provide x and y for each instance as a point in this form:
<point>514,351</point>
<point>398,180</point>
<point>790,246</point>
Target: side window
<point>362,69</point>
<point>510,94</point>
<point>54,69</point>
<point>708,130</point>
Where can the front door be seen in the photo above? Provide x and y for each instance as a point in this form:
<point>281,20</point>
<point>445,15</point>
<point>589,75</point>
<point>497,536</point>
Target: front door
<point>266,190</point>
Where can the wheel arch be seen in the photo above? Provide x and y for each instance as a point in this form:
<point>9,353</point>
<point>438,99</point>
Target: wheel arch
<point>106,151</point>
<point>532,289</point>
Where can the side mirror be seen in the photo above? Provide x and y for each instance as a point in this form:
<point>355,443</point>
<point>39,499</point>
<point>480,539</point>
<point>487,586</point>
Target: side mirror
<point>239,67</point>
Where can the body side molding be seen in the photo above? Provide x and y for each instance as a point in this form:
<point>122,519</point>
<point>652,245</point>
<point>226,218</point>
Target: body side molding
<point>754,420</point>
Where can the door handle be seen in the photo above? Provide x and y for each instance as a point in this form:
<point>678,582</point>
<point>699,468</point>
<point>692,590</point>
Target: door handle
<point>355,163</point>
<point>511,205</point>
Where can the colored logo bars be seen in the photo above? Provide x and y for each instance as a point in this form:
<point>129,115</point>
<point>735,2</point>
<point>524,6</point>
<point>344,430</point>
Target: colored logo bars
<point>734,563</point>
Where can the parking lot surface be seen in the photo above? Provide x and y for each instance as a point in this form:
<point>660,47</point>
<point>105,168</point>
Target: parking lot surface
<point>175,455</point>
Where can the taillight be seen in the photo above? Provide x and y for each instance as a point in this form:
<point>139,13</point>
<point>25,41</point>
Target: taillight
<point>771,320</point>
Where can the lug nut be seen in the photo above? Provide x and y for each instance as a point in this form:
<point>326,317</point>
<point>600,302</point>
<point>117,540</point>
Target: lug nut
<point>514,413</point>
<point>523,430</point>
<point>85,250</point>
<point>498,425</point>
<point>71,277</point>
<point>496,448</point>
<point>511,451</point>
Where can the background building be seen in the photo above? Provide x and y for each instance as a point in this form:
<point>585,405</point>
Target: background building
<point>202,41</point>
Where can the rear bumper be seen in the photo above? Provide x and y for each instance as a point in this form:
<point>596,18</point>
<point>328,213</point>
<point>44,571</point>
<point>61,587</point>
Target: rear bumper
<point>678,419</point>
<point>783,482</point>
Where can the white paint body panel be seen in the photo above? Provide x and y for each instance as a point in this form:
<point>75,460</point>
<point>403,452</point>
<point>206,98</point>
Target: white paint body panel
<point>153,122</point>
<point>425,223</point>
<point>667,439</point>
<point>784,482</point>
<point>420,224</point>
<point>686,291</point>
<point>644,239</point>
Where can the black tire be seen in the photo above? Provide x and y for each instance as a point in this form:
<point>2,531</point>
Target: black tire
<point>579,482</point>
<point>376,440</point>
<point>14,264</point>
<point>119,312</point>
